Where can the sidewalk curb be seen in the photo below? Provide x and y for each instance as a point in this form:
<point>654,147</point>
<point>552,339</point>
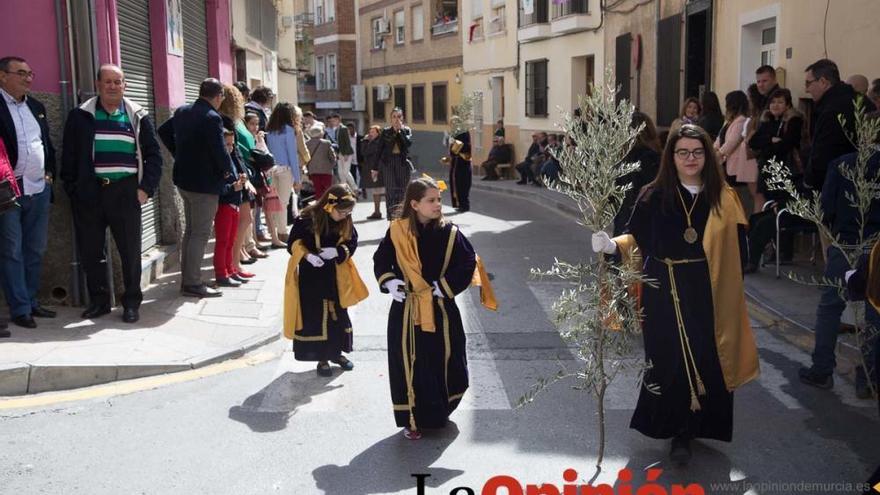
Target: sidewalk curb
<point>24,378</point>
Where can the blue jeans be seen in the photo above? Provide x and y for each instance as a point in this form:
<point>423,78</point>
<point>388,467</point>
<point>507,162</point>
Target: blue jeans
<point>23,236</point>
<point>831,307</point>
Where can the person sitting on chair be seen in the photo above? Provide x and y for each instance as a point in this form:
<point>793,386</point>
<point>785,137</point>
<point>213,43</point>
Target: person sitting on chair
<point>500,153</point>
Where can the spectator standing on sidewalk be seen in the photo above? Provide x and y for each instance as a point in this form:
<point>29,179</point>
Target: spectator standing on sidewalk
<point>765,81</point>
<point>729,144</point>
<point>7,174</point>
<point>344,150</point>
<point>371,172</point>
<point>260,103</point>
<point>110,164</point>
<point>394,163</point>
<point>687,224</point>
<point>322,160</point>
<point>286,143</point>
<point>226,218</point>
<point>689,114</point>
<point>844,221</point>
<point>711,119</point>
<point>194,135</point>
<point>24,130</point>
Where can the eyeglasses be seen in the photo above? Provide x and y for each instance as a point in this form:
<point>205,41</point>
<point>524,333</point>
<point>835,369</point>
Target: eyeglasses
<point>24,74</point>
<point>684,154</point>
<point>808,82</point>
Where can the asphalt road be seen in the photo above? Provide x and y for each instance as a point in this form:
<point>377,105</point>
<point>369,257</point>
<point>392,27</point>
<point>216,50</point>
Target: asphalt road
<point>273,426</point>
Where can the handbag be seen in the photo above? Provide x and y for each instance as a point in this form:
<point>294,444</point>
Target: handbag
<point>8,200</point>
<point>262,160</point>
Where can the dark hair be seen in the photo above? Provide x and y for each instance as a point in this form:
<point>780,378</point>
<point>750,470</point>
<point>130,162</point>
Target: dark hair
<point>500,121</point>
<point>756,100</point>
<point>648,135</point>
<point>415,191</point>
<point>282,115</point>
<point>228,132</point>
<point>322,223</point>
<point>781,93</point>
<point>735,103</point>
<point>687,102</point>
<point>825,68</point>
<point>309,113</point>
<point>5,61</point>
<point>106,66</point>
<point>262,95</point>
<point>243,88</point>
<point>250,116</point>
<point>335,116</point>
<point>667,178</point>
<point>397,109</point>
<point>766,69</point>
<point>710,104</point>
<point>210,88</point>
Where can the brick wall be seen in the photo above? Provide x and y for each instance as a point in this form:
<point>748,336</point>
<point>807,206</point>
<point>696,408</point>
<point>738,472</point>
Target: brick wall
<point>346,69</point>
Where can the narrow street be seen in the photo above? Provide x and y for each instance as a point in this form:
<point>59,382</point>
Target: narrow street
<point>276,427</point>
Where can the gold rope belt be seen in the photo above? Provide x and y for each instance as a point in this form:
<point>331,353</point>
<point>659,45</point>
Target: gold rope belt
<point>690,364</point>
<point>408,346</point>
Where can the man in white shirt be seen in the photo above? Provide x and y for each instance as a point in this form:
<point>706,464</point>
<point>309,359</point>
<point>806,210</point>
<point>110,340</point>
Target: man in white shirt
<point>23,231</point>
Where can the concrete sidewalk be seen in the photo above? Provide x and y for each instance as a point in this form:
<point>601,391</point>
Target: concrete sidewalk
<point>175,333</point>
<point>786,305</point>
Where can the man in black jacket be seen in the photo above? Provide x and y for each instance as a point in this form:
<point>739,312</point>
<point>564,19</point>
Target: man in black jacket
<point>833,99</point>
<point>24,130</point>
<point>110,165</point>
<point>201,165</point>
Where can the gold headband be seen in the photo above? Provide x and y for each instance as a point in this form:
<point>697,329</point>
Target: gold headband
<point>333,200</point>
<point>441,184</point>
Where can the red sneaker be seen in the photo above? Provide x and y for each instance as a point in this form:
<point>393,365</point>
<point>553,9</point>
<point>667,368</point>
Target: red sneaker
<point>245,274</point>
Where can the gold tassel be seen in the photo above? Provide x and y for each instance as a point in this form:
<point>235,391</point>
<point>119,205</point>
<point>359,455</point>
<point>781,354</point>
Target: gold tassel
<point>701,388</point>
<point>695,403</point>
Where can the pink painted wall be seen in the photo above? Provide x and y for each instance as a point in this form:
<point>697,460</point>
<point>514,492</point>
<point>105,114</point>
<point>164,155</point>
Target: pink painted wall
<point>220,39</point>
<point>167,69</point>
<point>40,49</point>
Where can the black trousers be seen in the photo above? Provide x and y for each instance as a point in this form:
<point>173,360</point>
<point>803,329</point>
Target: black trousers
<point>118,208</point>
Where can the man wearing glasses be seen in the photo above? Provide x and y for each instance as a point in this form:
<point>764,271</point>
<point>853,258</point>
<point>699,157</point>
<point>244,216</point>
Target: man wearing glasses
<point>24,130</point>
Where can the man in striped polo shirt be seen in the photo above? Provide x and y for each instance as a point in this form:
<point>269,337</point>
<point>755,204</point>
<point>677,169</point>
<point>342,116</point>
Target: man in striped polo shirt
<point>111,165</point>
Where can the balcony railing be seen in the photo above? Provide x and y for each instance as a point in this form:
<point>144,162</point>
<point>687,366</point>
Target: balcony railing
<point>304,19</point>
<point>562,8</point>
<point>444,26</point>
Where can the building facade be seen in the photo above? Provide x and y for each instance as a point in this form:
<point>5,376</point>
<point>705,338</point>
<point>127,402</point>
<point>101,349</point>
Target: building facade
<point>334,61</point>
<point>490,66</point>
<point>411,57</point>
<point>561,53</point>
<point>263,45</point>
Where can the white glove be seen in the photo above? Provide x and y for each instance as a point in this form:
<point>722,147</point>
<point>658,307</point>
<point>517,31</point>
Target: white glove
<point>394,286</point>
<point>315,261</point>
<point>329,253</point>
<point>437,291</point>
<point>603,244</point>
<point>849,273</point>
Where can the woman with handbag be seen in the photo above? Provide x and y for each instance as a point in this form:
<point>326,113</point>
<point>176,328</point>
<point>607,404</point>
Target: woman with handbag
<point>286,143</point>
<point>322,281</point>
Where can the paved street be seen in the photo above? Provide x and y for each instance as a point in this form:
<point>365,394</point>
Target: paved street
<point>267,424</point>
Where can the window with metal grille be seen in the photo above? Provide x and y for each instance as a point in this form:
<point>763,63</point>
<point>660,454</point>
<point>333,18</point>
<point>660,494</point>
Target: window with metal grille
<point>331,72</point>
<point>438,91</point>
<point>399,27</point>
<point>321,73</point>
<point>378,106</point>
<point>536,88</point>
<point>417,93</point>
<point>400,98</point>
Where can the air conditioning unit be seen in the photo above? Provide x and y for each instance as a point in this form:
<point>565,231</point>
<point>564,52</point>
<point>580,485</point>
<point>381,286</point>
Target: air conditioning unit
<point>383,92</point>
<point>358,98</point>
<point>384,26</point>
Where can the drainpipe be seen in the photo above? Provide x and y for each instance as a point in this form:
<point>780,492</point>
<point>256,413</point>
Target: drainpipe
<point>61,22</point>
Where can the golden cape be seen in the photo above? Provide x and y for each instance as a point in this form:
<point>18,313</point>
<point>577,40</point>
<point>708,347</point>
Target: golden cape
<point>734,339</point>
<point>352,289</point>
<point>407,253</point>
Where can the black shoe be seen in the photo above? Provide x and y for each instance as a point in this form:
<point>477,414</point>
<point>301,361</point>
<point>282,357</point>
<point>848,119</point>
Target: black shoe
<point>863,391</point>
<point>200,291</point>
<point>94,311</point>
<point>813,378</point>
<point>680,451</point>
<point>750,268</point>
<point>324,370</point>
<point>41,312</point>
<point>490,177</point>
<point>228,282</point>
<point>239,279</point>
<point>130,315</point>
<point>522,182</point>
<point>25,321</point>
<point>344,363</point>
<point>249,261</point>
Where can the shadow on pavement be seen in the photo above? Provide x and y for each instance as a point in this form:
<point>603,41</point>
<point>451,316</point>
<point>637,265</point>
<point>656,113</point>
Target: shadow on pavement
<point>271,408</point>
<point>388,465</point>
